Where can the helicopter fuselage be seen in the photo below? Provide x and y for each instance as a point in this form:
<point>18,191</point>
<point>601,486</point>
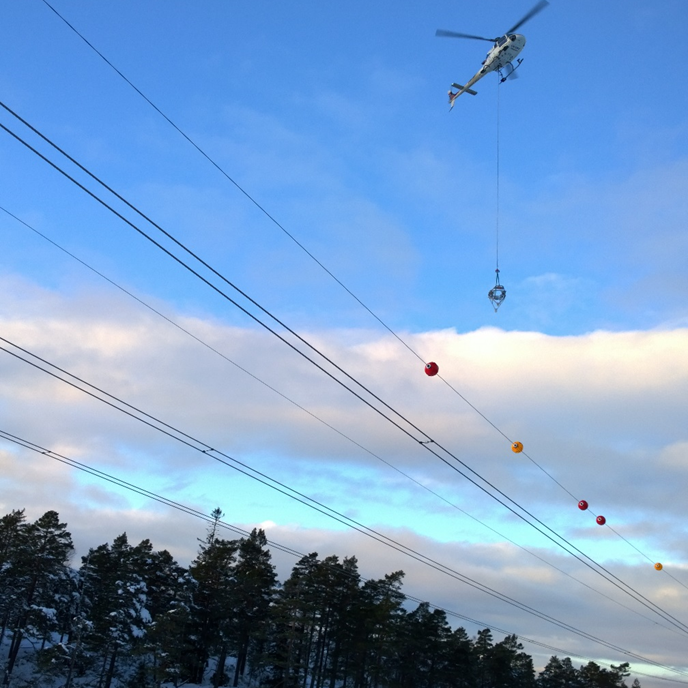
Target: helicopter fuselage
<point>504,51</point>
<point>502,55</point>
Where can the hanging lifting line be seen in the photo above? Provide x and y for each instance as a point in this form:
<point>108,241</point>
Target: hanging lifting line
<point>499,90</point>
<point>497,294</point>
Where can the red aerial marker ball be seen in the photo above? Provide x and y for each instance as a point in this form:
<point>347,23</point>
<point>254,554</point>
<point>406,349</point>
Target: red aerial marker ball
<point>431,368</point>
<point>601,520</point>
<point>582,505</point>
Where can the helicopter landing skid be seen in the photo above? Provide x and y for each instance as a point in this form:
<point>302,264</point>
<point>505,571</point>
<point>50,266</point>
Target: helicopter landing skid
<point>511,71</point>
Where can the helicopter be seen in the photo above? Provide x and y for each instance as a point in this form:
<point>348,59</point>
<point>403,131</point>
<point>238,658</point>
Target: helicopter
<point>501,56</point>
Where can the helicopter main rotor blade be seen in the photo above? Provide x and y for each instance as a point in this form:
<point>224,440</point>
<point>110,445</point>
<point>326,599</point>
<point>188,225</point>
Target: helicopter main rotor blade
<point>454,34</point>
<point>538,8</point>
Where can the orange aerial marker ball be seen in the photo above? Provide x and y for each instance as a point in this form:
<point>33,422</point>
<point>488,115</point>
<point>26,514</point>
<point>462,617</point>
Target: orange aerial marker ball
<point>601,520</point>
<point>582,505</point>
<point>431,368</point>
<point>517,447</point>
<point>658,566</point>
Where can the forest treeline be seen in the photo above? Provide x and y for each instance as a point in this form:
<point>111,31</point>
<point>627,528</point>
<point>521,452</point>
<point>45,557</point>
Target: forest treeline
<point>131,616</point>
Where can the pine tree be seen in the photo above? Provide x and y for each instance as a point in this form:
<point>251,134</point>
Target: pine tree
<point>379,612</point>
<point>507,666</point>
<point>618,674</point>
<point>253,591</point>
<point>559,673</point>
<point>38,562</point>
<point>213,603</point>
<point>423,648</point>
<point>148,621</point>
<point>292,619</point>
<point>316,623</point>
<point>60,646</point>
<point>168,598</point>
<point>114,599</point>
<point>461,661</point>
<point>593,676</point>
<point>12,536</point>
<point>482,649</point>
<point>343,599</point>
<point>523,671</point>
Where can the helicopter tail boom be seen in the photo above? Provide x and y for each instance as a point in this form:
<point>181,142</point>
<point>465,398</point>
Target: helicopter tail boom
<point>463,89</point>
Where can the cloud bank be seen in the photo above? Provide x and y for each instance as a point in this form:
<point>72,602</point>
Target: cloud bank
<point>602,413</point>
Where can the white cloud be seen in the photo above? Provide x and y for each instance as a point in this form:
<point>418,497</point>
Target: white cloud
<point>602,412</point>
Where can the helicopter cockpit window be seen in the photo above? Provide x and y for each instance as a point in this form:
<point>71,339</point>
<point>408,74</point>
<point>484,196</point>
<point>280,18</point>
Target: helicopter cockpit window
<point>501,41</point>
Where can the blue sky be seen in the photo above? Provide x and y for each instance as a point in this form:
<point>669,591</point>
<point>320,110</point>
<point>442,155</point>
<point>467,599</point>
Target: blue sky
<point>356,117</point>
<point>334,118</point>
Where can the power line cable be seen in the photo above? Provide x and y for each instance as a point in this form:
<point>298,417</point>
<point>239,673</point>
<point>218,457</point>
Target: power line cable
<point>233,181</point>
<point>97,473</point>
<point>585,559</point>
<point>273,317</point>
<point>330,426</point>
<point>258,205</point>
<point>283,548</point>
<point>279,486</point>
<point>191,253</point>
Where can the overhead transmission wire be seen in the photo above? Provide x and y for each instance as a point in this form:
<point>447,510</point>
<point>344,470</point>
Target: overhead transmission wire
<point>272,219</point>
<point>192,442</point>
<point>191,511</point>
<point>329,425</point>
<point>215,454</point>
<point>425,443</point>
<point>149,494</point>
<point>229,178</point>
<point>609,576</point>
<point>223,524</point>
<point>655,611</point>
<point>261,481</point>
